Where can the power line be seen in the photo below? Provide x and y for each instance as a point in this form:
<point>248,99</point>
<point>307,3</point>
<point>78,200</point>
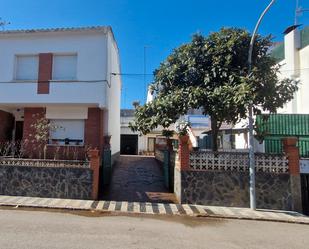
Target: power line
<point>3,23</point>
<point>132,74</point>
<point>299,11</point>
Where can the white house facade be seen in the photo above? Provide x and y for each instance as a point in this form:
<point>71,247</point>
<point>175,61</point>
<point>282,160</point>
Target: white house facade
<point>293,57</point>
<point>70,76</point>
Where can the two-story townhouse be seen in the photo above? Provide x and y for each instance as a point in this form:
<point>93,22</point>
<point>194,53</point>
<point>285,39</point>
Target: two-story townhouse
<point>292,120</point>
<point>69,76</point>
<point>293,56</point>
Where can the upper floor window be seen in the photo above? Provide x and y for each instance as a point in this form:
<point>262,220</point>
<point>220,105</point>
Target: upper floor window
<point>27,67</point>
<point>64,67</point>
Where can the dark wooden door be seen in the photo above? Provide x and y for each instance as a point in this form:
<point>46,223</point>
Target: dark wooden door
<point>129,145</point>
<point>19,130</point>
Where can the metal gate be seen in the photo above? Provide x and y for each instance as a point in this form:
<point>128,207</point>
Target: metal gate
<point>168,169</point>
<point>305,192</point>
<point>106,168</point>
<point>166,165</point>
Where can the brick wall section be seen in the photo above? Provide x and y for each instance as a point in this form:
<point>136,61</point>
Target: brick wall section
<point>95,167</point>
<point>6,126</point>
<point>45,72</point>
<point>30,117</point>
<point>292,152</point>
<point>184,153</point>
<point>94,128</point>
<point>93,136</point>
<point>32,148</point>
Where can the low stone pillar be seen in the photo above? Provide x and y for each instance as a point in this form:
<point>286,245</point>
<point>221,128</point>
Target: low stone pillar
<point>95,167</point>
<point>292,152</point>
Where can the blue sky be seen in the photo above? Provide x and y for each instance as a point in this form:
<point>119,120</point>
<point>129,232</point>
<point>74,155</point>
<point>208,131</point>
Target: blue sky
<point>159,25</point>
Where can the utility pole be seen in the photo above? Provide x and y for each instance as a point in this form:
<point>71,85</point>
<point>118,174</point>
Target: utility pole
<point>145,71</point>
<point>298,12</point>
<point>251,137</point>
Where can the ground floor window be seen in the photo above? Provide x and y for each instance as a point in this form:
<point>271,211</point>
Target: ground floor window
<point>151,144</point>
<point>67,131</point>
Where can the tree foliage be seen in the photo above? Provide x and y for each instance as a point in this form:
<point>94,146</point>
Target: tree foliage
<point>212,73</point>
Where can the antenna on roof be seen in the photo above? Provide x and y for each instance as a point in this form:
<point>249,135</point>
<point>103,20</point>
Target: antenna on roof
<point>145,70</point>
<point>3,23</point>
<point>299,11</point>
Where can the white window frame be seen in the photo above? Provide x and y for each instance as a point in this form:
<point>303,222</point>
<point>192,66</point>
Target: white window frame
<point>81,136</point>
<point>53,68</point>
<point>15,78</point>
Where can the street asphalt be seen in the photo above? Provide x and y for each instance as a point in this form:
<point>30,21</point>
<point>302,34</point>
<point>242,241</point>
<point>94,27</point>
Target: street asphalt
<point>46,229</point>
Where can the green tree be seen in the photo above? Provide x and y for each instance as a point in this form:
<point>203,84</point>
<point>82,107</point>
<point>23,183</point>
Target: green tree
<point>212,73</point>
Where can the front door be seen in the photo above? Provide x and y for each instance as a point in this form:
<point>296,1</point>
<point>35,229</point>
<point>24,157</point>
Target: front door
<point>129,145</point>
<point>19,130</point>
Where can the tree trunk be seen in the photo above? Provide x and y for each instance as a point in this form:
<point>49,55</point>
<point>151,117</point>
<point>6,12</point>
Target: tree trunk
<point>214,133</point>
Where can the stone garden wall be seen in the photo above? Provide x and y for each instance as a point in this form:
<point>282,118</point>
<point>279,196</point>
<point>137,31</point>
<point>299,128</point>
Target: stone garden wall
<point>222,178</point>
<point>46,179</point>
<point>231,188</point>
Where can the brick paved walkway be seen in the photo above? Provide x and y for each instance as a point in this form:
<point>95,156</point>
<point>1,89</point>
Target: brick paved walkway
<point>153,208</point>
<point>138,179</point>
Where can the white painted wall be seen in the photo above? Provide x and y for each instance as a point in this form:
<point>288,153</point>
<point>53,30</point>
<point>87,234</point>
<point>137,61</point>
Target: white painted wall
<point>66,112</point>
<point>91,50</point>
<point>114,95</point>
<point>241,141</point>
<point>97,57</point>
<point>25,94</point>
<point>295,65</point>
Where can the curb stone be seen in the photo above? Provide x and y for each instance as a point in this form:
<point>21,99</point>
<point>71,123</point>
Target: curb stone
<point>154,209</point>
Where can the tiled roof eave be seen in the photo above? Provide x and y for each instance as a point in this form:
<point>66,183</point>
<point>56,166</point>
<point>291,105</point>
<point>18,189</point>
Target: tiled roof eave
<point>104,29</point>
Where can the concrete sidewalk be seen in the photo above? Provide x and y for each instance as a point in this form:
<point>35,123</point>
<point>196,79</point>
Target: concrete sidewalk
<point>154,209</point>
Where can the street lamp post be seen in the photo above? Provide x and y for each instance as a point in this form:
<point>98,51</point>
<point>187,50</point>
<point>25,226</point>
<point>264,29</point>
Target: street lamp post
<point>251,138</point>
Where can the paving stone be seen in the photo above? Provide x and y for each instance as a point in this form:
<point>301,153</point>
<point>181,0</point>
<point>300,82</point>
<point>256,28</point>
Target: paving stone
<point>138,179</point>
<point>187,209</point>
<point>106,205</point>
<point>100,205</point>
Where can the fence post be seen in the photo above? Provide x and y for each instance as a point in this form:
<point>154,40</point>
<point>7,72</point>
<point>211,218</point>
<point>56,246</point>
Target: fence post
<point>95,167</point>
<point>166,167</point>
<point>184,153</point>
<point>292,152</point>
<point>182,165</point>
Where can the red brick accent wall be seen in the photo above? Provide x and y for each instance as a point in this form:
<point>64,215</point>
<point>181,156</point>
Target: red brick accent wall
<point>93,136</point>
<point>184,153</point>
<point>95,166</point>
<point>292,152</point>
<point>94,128</point>
<point>45,72</point>
<point>6,126</point>
<point>30,117</point>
